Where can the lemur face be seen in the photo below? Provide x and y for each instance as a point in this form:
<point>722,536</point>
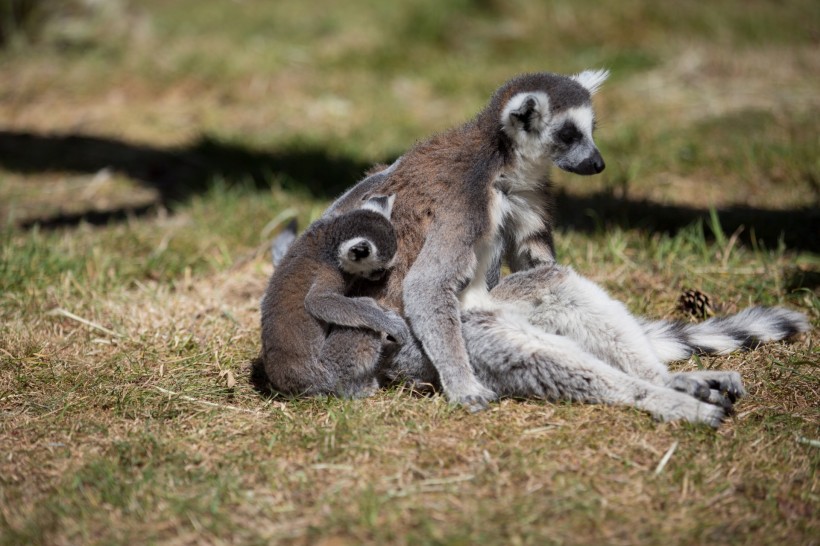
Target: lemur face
<point>360,257</point>
<point>558,129</point>
<point>573,148</point>
<point>371,252</point>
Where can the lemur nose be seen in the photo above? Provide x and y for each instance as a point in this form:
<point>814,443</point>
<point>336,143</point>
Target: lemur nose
<point>359,251</point>
<point>595,163</point>
<point>591,165</point>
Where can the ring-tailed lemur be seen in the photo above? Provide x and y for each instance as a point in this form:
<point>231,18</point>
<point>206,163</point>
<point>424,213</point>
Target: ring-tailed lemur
<point>473,196</point>
<point>316,339</point>
<point>567,339</point>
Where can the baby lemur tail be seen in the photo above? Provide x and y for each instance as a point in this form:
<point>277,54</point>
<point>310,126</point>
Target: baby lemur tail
<point>675,340</point>
<point>281,243</point>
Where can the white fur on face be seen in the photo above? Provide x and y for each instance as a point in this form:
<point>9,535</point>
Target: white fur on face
<point>358,267</point>
<point>584,119</point>
<point>535,144</point>
<point>581,116</point>
<point>530,145</point>
<point>592,79</point>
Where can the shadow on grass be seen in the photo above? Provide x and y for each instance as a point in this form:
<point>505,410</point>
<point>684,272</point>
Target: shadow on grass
<point>179,173</point>
<point>258,378</point>
<point>798,227</point>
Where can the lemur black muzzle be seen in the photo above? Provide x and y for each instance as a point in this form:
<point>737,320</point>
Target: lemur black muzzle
<point>594,164</point>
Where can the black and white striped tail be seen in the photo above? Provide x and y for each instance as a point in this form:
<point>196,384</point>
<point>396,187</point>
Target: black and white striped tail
<point>720,335</point>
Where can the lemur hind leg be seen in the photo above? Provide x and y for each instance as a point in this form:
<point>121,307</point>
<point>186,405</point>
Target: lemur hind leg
<point>559,301</point>
<point>564,303</point>
<point>514,358</point>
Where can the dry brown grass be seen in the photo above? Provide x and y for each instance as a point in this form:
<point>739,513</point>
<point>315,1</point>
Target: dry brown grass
<point>126,414</point>
<point>101,452</point>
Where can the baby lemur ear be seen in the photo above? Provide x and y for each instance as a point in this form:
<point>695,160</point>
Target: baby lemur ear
<point>526,113</point>
<point>592,79</point>
<point>383,204</point>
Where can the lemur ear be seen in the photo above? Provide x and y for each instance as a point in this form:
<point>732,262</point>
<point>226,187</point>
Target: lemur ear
<point>383,204</point>
<point>525,112</point>
<point>592,79</point>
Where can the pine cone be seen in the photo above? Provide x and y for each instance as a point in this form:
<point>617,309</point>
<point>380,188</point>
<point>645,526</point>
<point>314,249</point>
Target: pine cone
<point>695,303</point>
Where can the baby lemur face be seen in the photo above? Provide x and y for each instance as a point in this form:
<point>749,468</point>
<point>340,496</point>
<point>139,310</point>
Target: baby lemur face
<point>361,257</point>
<point>370,249</point>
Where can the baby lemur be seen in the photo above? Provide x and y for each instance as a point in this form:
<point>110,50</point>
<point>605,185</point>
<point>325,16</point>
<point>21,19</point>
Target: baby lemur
<point>316,339</point>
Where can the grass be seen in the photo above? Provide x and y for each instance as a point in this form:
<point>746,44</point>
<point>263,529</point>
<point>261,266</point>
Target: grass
<point>147,149</point>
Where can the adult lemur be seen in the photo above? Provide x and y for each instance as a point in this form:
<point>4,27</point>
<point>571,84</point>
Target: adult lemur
<point>479,194</point>
<point>315,339</point>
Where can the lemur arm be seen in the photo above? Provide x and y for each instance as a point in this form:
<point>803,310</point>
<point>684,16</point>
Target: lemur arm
<point>327,303</point>
<point>430,295</point>
<point>530,244</point>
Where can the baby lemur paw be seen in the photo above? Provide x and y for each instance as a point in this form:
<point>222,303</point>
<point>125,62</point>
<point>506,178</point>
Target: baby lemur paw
<point>396,328</point>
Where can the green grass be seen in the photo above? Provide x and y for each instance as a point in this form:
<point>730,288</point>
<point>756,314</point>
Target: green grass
<point>149,151</point>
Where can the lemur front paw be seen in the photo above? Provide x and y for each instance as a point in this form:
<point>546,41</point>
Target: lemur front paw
<point>726,382</point>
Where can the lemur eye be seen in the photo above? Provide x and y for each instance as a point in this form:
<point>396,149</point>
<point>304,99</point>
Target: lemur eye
<point>569,134</point>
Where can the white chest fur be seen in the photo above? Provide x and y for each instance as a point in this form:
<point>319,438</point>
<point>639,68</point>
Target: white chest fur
<point>514,209</point>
